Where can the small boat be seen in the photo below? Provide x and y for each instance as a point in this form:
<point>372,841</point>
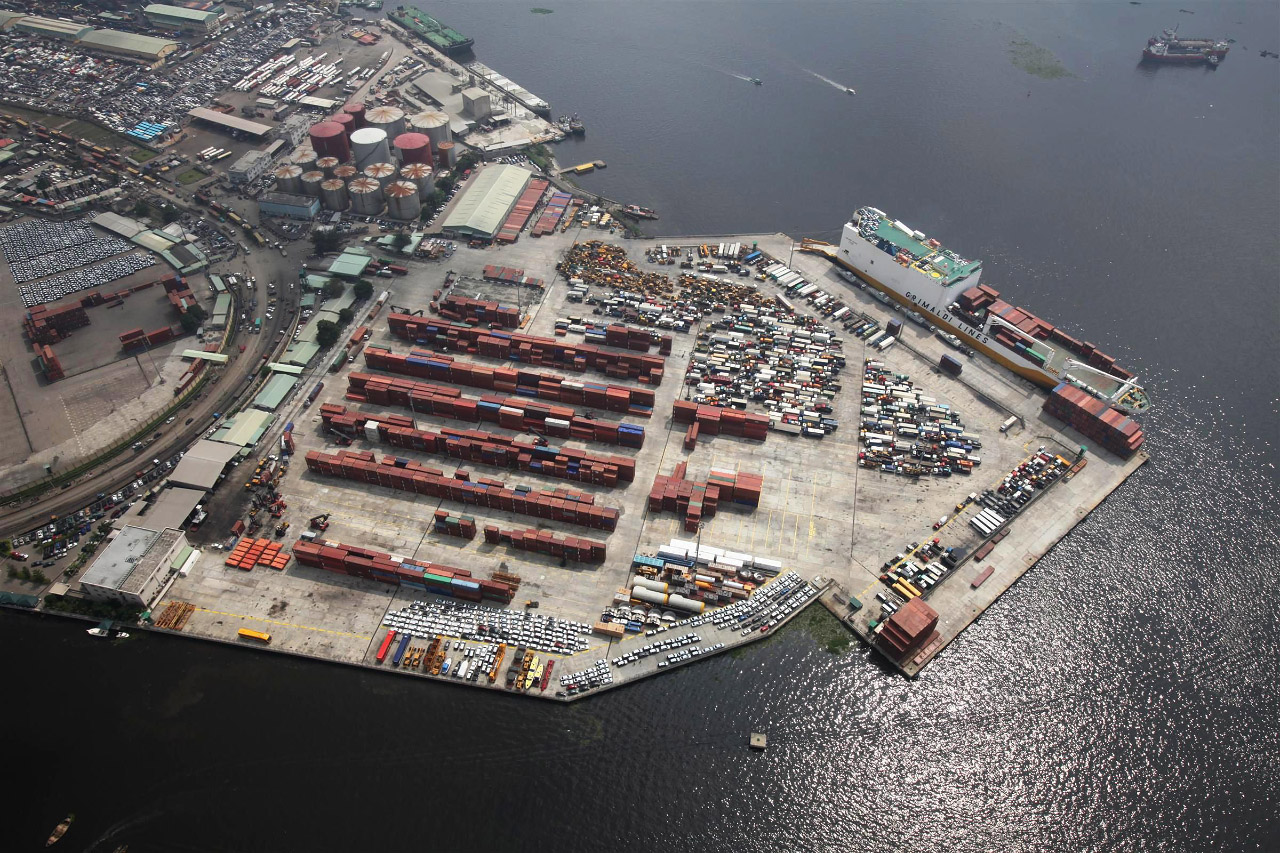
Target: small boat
<point>107,629</point>
<point>849,90</point>
<point>757,81</point>
<point>60,830</point>
<point>576,126</point>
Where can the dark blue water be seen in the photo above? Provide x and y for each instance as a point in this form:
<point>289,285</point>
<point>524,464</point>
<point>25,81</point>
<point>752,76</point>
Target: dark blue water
<point>1121,697</point>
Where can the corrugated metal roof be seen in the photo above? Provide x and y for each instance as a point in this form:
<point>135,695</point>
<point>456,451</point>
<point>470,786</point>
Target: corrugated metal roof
<point>301,353</point>
<point>273,394</point>
<point>252,128</point>
<point>350,264</point>
<point>215,357</point>
<point>172,507</point>
<point>161,10</point>
<point>245,429</point>
<point>489,199</point>
<point>117,561</point>
<point>130,43</point>
<point>200,466</point>
<point>290,369</point>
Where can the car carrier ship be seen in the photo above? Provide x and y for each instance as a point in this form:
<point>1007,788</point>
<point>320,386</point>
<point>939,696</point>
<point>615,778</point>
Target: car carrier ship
<point>921,274</point>
<point>1168,47</point>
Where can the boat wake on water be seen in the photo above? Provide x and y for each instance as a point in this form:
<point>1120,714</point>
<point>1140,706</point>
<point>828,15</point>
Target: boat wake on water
<point>848,90</point>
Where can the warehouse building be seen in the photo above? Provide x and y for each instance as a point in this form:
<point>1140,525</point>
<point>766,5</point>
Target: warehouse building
<point>230,122</point>
<point>204,464</point>
<point>245,429</point>
<point>171,508</point>
<point>287,204</point>
<point>350,264</point>
<point>178,19</point>
<point>251,166</point>
<point>148,48</point>
<point>274,392</point>
<point>485,204</point>
<point>134,566</point>
<point>50,28</point>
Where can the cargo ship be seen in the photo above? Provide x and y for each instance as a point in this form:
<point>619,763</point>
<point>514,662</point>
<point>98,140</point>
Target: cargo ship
<point>1168,47</point>
<point>920,273</point>
<point>447,40</point>
<point>639,212</point>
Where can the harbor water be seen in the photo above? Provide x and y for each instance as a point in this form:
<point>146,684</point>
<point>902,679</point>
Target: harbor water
<point>1121,696</point>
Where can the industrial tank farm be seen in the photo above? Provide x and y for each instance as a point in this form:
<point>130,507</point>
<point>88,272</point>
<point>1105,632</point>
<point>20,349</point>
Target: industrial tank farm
<point>402,201</point>
<point>369,145</point>
<point>366,196</point>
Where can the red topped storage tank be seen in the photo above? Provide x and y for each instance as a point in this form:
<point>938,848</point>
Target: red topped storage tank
<point>414,148</point>
<point>347,120</point>
<point>355,109</point>
<point>329,139</point>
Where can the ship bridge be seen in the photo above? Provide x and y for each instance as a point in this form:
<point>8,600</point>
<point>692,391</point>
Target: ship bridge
<point>933,261</point>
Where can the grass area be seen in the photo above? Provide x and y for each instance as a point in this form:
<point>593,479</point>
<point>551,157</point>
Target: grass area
<point>825,629</point>
<point>540,11</point>
<point>141,155</point>
<point>1036,60</point>
<point>190,176</point>
<point>540,156</point>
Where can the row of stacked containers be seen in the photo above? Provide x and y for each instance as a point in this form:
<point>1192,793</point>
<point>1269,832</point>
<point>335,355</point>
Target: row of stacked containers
<point>407,475</point>
<point>696,501</point>
<point>508,412</point>
<point>551,215</point>
<point>619,336</point>
<point>528,349</point>
<point>519,216</point>
<point>483,447</point>
<point>570,548</point>
<point>523,383</point>
<point>248,553</point>
<point>464,309</point>
<point>399,571</point>
<point>511,275</point>
<point>1095,419</point>
<point>713,420</point>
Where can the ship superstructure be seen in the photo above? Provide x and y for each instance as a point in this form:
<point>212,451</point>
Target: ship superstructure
<point>919,272</point>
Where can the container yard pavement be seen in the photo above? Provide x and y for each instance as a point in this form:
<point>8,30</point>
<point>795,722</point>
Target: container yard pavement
<point>819,513</point>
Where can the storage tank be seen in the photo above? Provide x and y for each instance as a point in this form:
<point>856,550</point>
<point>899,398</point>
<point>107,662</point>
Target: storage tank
<point>446,155</point>
<point>288,179</point>
<point>346,172</point>
<point>304,156</point>
<point>369,145</point>
<point>311,182</point>
<point>413,148</point>
<point>327,165</point>
<point>383,173</point>
<point>390,119</point>
<point>402,201</point>
<point>356,110</point>
<point>434,124</point>
<point>347,121</point>
<point>647,583</point>
<point>420,175</point>
<point>329,139</point>
<point>366,196</point>
<point>333,194</point>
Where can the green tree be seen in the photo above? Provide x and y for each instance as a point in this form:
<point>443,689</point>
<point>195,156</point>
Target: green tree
<point>43,182</point>
<point>346,315</point>
<point>5,547</point>
<point>333,289</point>
<point>363,289</point>
<point>444,185</point>
<point>39,576</point>
<point>198,311</point>
<point>171,214</point>
<point>141,208</point>
<point>264,371</point>
<point>326,333</point>
<point>399,240</point>
<point>324,240</point>
<point>189,322</point>
<point>466,161</point>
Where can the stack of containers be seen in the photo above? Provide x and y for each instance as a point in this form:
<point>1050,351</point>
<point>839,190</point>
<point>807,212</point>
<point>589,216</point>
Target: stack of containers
<point>519,215</point>
<point>1095,419</point>
<point>524,383</point>
<point>408,476</point>
<point>484,447</point>
<point>248,553</point>
<point>507,412</point>
<point>462,308</point>
<point>551,215</point>
<point>511,275</point>
<point>398,571</point>
<point>461,526</point>
<point>713,420</point>
<point>530,349</point>
<point>544,542</point>
<point>696,501</point>
<point>624,337</point>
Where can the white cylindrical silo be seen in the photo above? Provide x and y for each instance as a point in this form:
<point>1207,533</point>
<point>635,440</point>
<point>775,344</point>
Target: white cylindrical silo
<point>311,182</point>
<point>288,179</point>
<point>369,145</point>
<point>333,194</point>
<point>365,195</point>
<point>434,124</point>
<point>402,201</point>
<point>383,173</point>
<point>389,119</point>
<point>421,176</point>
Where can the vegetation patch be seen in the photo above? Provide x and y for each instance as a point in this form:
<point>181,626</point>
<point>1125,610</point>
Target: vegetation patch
<point>190,176</point>
<point>1036,60</point>
<point>538,10</point>
<point>825,629</point>
<point>142,155</point>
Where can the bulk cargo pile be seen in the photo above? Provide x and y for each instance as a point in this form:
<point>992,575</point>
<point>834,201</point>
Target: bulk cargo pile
<point>508,412</point>
<point>408,476</point>
<point>509,380</point>
<point>529,349</point>
<point>908,432</point>
<point>399,571</point>
<point>697,500</point>
<point>484,447</point>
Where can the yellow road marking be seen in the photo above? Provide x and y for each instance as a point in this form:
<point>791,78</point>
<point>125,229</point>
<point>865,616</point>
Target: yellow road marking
<point>283,624</point>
